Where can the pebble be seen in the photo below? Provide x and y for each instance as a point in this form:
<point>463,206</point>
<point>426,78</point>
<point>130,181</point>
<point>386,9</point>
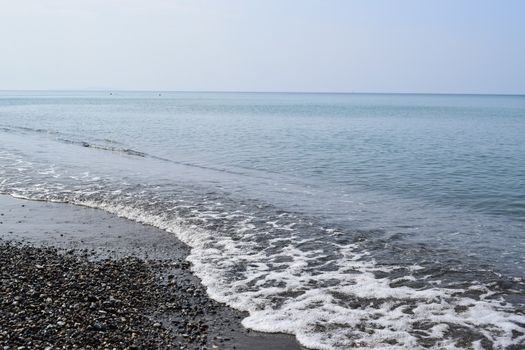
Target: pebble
<point>53,299</point>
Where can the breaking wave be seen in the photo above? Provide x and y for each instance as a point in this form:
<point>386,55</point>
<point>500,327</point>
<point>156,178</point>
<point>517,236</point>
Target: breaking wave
<point>294,275</point>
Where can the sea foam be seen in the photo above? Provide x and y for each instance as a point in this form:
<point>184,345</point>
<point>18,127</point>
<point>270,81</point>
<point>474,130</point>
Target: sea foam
<point>322,287</point>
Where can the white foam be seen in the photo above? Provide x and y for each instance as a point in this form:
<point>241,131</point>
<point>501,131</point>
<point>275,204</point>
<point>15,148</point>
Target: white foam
<point>314,315</point>
<point>285,289</point>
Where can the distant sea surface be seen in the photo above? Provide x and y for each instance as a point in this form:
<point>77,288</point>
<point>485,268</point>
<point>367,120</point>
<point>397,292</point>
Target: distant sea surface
<point>348,220</point>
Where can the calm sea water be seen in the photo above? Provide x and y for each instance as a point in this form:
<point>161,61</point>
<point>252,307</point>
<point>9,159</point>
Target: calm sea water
<point>360,220</point>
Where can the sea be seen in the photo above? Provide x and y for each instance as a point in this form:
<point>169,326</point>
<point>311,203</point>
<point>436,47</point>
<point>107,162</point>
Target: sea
<point>369,221</point>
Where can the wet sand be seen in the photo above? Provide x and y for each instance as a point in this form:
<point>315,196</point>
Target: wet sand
<point>175,313</point>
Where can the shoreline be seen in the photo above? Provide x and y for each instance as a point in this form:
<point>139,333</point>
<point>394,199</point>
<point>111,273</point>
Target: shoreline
<point>92,240</point>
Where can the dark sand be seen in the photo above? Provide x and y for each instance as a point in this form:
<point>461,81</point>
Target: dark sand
<point>83,238</point>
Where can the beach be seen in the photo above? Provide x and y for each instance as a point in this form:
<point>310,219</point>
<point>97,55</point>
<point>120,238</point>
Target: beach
<point>333,221</point>
<point>74,277</point>
<point>262,175</point>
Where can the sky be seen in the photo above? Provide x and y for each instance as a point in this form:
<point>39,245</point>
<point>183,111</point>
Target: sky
<point>435,46</point>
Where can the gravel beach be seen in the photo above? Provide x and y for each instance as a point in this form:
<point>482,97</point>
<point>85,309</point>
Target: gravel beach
<point>73,277</point>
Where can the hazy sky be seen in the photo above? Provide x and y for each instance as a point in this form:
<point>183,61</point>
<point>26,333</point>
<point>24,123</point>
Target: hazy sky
<point>264,45</point>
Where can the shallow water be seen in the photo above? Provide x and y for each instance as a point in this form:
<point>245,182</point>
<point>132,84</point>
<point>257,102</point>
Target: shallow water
<point>345,219</point>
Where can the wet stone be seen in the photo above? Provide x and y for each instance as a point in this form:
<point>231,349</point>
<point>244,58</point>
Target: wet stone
<point>61,299</point>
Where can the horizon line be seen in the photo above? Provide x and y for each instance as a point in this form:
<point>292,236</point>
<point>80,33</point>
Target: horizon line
<point>267,92</point>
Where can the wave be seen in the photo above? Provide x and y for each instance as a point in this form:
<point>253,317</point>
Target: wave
<point>342,308</point>
<point>309,281</point>
<point>77,140</point>
<point>86,144</point>
<point>33,130</point>
<point>292,274</point>
<point>60,135</point>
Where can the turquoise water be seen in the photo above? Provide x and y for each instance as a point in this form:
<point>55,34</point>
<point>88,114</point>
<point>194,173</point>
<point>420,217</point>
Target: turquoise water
<point>280,195</point>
